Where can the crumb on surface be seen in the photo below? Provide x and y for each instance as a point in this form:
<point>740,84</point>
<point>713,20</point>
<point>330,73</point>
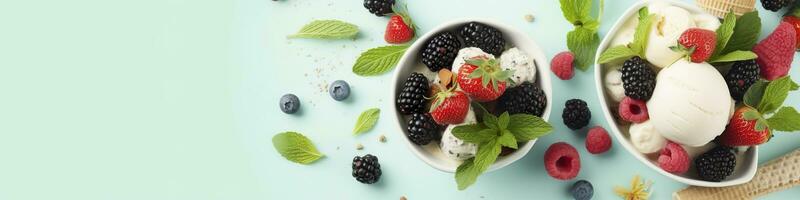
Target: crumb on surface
<point>382,138</point>
<point>403,198</point>
<point>359,146</point>
<point>529,18</point>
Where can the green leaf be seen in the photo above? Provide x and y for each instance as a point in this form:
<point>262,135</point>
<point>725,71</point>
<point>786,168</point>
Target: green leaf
<point>468,172</point>
<point>486,155</point>
<point>503,120</point>
<point>575,10</point>
<point>775,94</point>
<point>583,43</point>
<point>735,56</point>
<point>507,139</point>
<point>786,119</point>
<point>616,53</point>
<point>467,129</point>
<point>379,60</point>
<point>750,115</point>
<point>639,44</point>
<point>724,33</point>
<point>761,124</point>
<point>366,121</point>
<point>327,29</point>
<point>490,121</point>
<point>745,34</point>
<point>296,148</point>
<point>754,94</point>
<point>528,127</point>
<point>476,137</point>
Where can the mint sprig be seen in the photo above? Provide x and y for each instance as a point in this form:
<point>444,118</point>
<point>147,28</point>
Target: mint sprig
<point>637,47</point>
<point>768,97</point>
<point>296,148</point>
<point>379,60</point>
<point>327,29</point>
<point>494,133</point>
<point>366,120</point>
<point>736,37</point>
<point>583,39</point>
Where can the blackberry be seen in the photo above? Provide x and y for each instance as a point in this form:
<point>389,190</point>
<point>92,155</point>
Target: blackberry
<point>412,97</point>
<point>741,76</point>
<point>526,98</point>
<point>440,51</point>
<point>775,5</point>
<point>576,114</point>
<point>366,169</point>
<point>483,36</point>
<point>638,79</point>
<point>715,164</point>
<point>379,7</point>
<point>422,129</point>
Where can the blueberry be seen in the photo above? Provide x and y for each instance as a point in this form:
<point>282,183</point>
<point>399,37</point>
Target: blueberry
<point>339,90</point>
<point>582,190</point>
<point>289,103</point>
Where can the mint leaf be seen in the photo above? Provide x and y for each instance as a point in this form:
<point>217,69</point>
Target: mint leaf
<point>366,121</point>
<point>575,10</point>
<point>735,56</point>
<point>327,29</point>
<point>583,43</point>
<point>753,95</point>
<point>379,60</point>
<point>745,34</point>
<point>476,137</point>
<point>468,172</point>
<point>639,44</point>
<point>775,94</point>
<point>490,121</point>
<point>296,148</point>
<point>724,33</point>
<point>616,53</point>
<point>786,119</point>
<point>503,120</point>
<point>528,127</point>
<point>507,140</point>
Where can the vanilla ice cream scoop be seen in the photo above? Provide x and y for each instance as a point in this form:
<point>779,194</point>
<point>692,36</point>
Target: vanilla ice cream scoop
<point>645,138</point>
<point>667,26</point>
<point>455,148</point>
<point>613,83</point>
<point>523,65</point>
<point>690,104</point>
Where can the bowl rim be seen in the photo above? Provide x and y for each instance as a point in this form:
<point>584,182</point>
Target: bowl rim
<point>543,77</point>
<point>751,154</point>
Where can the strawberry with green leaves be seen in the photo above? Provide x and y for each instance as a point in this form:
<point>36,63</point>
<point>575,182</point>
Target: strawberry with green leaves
<point>698,44</point>
<point>483,79</point>
<point>449,107</point>
<point>762,114</point>
<point>793,18</point>
<point>400,28</point>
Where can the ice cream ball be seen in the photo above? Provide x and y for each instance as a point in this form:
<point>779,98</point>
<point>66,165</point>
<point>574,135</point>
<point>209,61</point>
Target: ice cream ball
<point>645,138</point>
<point>613,84</point>
<point>667,26</point>
<point>523,65</point>
<point>455,148</point>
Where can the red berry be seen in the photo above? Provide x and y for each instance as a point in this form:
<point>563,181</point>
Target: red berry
<point>597,140</point>
<point>562,161</point>
<point>450,107</point>
<point>633,110</point>
<point>484,68</point>
<point>399,30</point>
<point>701,40</point>
<point>795,22</point>
<point>776,52</point>
<point>742,131</point>
<point>673,158</point>
<point>562,65</point>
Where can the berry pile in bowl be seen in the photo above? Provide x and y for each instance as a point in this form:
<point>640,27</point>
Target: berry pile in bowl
<point>471,96</point>
<point>691,95</point>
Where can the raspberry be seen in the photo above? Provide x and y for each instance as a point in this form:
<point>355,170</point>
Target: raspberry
<point>633,110</point>
<point>562,65</point>
<point>673,158</point>
<point>597,140</point>
<point>562,161</point>
<point>775,53</point>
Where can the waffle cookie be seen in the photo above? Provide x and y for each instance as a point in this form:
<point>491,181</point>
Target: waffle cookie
<point>721,7</point>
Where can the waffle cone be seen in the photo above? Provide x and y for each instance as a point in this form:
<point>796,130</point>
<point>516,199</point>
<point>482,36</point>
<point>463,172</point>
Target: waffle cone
<point>721,7</point>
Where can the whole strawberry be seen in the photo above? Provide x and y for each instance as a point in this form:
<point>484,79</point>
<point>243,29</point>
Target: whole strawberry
<point>449,107</point>
<point>400,28</point>
<point>483,79</point>
<point>698,44</point>
<point>746,128</point>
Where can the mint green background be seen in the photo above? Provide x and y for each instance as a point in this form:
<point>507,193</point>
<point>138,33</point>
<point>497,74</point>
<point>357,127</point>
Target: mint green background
<point>177,99</point>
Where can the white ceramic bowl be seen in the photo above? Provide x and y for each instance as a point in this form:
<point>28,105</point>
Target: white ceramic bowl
<point>747,162</point>
<point>410,62</point>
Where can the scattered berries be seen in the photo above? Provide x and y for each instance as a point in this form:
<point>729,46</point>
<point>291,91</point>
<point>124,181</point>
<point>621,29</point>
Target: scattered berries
<point>562,65</point>
<point>698,44</point>
<point>411,98</point>
<point>743,131</point>
<point>597,140</point>
<point>776,52</point>
<point>775,5</point>
<point>400,29</point>
<point>673,158</point>
<point>483,36</point>
<point>741,76</point>
<point>289,103</point>
<point>482,79</point>
<point>582,190</point>
<point>638,79</point>
<point>450,107</point>
<point>562,161</point>
<point>633,110</point>
<point>339,90</point>
<point>379,7</point>
<point>422,129</point>
<point>793,19</point>
<point>716,164</point>
<point>526,98</point>
<point>576,114</point>
<point>440,51</point>
<point>366,169</point>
